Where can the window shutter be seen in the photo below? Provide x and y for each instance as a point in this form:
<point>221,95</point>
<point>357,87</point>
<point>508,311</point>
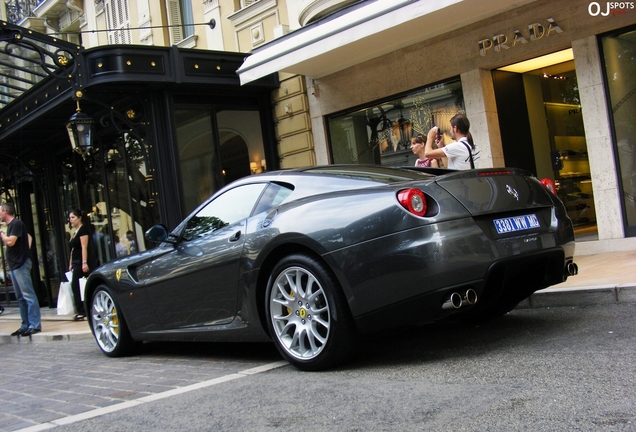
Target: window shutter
<point>174,19</point>
<point>117,19</point>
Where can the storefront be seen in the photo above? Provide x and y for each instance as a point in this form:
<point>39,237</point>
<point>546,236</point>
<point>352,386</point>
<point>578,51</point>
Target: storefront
<point>547,85</point>
<point>170,127</point>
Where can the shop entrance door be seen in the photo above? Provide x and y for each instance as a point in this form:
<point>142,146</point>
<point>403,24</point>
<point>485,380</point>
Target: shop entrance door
<point>542,131</point>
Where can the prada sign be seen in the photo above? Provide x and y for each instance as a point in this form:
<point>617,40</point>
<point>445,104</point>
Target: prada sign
<point>535,32</point>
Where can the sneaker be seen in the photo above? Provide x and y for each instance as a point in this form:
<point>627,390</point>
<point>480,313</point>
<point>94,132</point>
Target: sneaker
<point>19,332</point>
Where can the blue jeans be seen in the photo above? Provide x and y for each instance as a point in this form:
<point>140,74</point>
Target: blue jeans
<point>25,294</point>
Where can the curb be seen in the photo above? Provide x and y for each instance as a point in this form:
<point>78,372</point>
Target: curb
<point>46,338</point>
<point>581,296</point>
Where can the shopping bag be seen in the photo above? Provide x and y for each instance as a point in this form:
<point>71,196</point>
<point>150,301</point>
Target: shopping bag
<point>82,285</point>
<point>65,304</point>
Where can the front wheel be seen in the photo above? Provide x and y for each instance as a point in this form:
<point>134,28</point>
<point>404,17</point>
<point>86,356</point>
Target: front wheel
<point>307,314</point>
<point>108,325</point>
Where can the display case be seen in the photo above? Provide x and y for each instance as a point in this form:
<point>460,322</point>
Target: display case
<point>573,180</point>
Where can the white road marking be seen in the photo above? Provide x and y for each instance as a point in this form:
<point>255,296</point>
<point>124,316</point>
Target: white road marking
<point>154,397</point>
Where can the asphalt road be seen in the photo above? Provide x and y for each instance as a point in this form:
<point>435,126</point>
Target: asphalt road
<point>534,369</point>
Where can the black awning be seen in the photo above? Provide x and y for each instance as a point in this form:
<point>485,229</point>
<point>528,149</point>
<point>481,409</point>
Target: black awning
<point>36,114</point>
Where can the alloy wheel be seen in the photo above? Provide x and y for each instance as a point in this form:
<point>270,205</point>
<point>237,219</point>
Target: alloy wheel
<point>105,321</point>
<point>300,313</point>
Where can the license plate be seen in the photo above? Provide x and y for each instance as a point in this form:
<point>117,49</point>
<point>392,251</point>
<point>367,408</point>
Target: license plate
<point>516,223</point>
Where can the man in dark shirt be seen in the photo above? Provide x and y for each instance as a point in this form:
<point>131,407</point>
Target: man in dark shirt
<point>18,242</point>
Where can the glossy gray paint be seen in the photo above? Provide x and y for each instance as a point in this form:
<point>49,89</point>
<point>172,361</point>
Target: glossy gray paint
<point>387,260</point>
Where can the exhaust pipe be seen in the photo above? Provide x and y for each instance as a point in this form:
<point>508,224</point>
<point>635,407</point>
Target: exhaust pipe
<point>571,269</point>
<point>453,302</point>
<point>470,298</point>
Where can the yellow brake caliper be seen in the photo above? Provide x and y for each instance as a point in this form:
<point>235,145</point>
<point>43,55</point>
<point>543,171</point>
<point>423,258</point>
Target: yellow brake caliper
<point>291,293</point>
<point>114,320</point>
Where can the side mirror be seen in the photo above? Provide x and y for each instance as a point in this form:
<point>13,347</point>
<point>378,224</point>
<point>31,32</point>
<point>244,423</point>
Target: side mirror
<point>158,234</point>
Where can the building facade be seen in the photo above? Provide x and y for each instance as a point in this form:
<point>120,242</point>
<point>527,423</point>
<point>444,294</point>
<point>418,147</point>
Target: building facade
<point>547,85</point>
<point>171,123</point>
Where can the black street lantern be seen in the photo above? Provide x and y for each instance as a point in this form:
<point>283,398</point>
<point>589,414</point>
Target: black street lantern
<point>80,131</point>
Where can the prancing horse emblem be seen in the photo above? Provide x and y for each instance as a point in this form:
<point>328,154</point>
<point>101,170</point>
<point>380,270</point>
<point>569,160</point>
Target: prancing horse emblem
<point>512,191</point>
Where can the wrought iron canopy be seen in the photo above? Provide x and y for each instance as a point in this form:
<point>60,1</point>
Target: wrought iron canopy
<point>35,117</point>
<point>27,57</point>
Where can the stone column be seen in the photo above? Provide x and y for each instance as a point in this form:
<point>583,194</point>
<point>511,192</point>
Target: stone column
<point>598,135</point>
<point>481,110</point>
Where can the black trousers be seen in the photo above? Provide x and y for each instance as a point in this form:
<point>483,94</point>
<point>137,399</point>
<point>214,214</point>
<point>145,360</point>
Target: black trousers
<point>77,298</point>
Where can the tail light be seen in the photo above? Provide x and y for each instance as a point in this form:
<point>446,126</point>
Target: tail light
<point>413,200</point>
<point>549,185</point>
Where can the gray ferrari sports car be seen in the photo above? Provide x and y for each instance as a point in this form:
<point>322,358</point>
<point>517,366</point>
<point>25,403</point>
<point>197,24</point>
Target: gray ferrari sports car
<point>311,258</point>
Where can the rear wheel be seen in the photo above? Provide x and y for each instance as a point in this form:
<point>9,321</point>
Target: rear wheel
<point>307,314</point>
<point>109,327</point>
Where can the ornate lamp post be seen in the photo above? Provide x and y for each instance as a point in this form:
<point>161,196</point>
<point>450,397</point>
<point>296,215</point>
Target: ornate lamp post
<point>80,130</point>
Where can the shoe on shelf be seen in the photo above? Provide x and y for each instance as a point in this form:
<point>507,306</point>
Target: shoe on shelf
<point>19,332</point>
<point>30,332</point>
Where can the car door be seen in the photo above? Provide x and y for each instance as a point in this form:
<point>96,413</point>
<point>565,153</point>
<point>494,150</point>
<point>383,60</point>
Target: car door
<point>196,284</point>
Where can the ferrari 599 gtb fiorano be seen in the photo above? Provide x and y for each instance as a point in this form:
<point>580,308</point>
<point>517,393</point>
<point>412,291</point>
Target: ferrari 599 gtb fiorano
<point>312,258</point>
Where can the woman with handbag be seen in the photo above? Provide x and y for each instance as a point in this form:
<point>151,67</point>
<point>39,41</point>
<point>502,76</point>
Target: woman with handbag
<point>81,262</point>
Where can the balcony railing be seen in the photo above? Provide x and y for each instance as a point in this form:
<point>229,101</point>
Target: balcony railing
<point>17,10</point>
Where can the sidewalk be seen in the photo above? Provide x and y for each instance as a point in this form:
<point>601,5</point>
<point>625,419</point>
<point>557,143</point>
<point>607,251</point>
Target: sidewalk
<point>54,327</point>
<point>603,278</point>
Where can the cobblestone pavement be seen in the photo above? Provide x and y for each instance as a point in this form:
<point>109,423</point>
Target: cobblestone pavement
<point>48,381</point>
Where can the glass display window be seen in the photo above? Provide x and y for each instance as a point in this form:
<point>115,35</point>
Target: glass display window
<point>381,133</point>
<point>619,61</point>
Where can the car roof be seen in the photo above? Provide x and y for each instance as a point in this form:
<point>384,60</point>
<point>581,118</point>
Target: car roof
<point>365,173</point>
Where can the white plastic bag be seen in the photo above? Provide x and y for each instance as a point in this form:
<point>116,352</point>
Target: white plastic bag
<point>65,304</point>
<point>82,286</point>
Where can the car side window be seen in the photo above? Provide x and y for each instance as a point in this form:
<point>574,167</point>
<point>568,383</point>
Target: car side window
<point>273,196</point>
<point>224,210</point>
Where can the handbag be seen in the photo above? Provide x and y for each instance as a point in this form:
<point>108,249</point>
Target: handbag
<point>65,304</point>
<point>82,286</point>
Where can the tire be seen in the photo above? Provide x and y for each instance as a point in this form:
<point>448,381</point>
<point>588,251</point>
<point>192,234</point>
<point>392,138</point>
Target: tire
<point>307,314</point>
<point>109,326</point>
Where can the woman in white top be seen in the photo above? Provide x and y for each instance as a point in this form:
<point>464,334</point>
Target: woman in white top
<point>461,151</point>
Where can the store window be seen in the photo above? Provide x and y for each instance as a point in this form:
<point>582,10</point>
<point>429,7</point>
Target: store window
<point>542,130</point>
<point>215,148</point>
<point>132,199</point>
<point>381,133</point>
<point>619,55</point>
<point>569,146</point>
<point>114,188</point>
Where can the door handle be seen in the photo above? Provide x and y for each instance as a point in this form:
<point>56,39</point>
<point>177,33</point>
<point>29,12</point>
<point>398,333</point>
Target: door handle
<point>235,236</point>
